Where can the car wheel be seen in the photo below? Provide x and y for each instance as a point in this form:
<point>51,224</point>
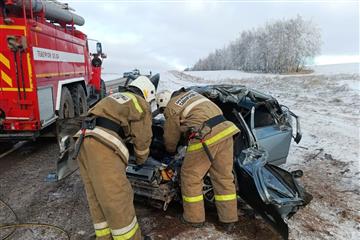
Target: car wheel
<point>66,104</point>
<point>208,189</point>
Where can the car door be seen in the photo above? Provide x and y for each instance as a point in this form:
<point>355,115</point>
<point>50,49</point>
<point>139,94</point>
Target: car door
<point>274,137</point>
<point>271,191</point>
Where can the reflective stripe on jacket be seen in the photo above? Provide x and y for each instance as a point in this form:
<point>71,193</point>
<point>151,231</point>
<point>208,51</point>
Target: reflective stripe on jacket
<point>133,114</point>
<point>229,131</point>
<point>110,139</point>
<point>190,110</point>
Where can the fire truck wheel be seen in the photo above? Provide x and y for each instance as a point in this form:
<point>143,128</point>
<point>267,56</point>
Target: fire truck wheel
<point>79,98</point>
<point>66,105</point>
<point>102,89</point>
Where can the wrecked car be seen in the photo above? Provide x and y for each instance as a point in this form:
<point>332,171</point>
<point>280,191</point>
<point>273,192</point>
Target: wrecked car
<point>267,129</point>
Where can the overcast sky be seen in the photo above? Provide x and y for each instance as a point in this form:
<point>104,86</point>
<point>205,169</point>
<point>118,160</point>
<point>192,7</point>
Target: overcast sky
<point>161,35</point>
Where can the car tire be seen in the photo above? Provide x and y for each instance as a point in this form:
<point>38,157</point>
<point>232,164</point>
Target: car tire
<point>79,99</point>
<point>66,109</point>
<point>208,190</point>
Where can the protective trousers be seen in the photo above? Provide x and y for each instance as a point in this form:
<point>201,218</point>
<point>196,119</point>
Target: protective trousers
<point>108,191</point>
<point>196,164</point>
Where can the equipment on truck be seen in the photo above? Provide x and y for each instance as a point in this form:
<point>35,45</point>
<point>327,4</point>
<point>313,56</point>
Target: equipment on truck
<point>47,73</point>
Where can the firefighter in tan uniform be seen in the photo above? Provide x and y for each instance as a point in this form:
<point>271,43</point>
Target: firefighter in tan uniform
<point>189,111</point>
<point>103,158</point>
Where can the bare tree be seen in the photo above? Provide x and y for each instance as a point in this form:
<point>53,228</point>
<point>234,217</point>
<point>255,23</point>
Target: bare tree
<point>278,47</point>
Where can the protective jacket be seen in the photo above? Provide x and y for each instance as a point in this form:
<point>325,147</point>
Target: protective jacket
<point>103,158</point>
<point>190,110</point>
<point>133,114</point>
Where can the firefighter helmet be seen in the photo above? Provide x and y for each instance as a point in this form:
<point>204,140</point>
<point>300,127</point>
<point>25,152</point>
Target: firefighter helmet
<point>163,98</point>
<point>146,86</point>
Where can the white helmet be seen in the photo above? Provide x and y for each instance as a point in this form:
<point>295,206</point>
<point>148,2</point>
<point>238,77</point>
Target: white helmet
<point>163,98</point>
<point>146,86</point>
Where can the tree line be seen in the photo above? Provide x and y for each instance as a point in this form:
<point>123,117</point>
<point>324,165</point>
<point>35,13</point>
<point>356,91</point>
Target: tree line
<point>282,46</point>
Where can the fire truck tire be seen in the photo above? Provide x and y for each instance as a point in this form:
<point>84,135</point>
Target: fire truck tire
<point>102,89</point>
<point>79,99</point>
<point>66,104</point>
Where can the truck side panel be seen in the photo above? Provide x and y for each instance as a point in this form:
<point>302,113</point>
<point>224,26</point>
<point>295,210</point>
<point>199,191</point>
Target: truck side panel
<point>17,81</point>
<point>38,58</point>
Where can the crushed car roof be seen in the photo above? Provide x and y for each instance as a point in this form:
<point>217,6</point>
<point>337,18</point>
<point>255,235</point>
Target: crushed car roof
<point>230,93</point>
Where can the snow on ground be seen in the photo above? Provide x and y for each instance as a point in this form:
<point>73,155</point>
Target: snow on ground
<point>327,101</point>
<point>335,69</point>
<point>328,104</point>
<point>347,68</point>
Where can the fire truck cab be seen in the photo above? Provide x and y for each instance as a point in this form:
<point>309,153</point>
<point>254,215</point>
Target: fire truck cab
<point>46,70</point>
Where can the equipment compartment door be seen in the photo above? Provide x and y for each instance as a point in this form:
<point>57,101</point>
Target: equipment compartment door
<point>16,77</point>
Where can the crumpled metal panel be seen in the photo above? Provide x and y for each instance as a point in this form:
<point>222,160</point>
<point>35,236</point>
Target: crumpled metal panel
<point>271,191</point>
<point>231,93</point>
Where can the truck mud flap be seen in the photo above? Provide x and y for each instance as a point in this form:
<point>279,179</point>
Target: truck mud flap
<point>66,162</point>
<point>271,191</point>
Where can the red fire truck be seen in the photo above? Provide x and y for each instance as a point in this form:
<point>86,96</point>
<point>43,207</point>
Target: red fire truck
<point>46,70</point>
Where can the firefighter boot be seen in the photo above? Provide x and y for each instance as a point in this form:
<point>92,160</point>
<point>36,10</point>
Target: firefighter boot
<point>194,225</point>
<point>228,227</point>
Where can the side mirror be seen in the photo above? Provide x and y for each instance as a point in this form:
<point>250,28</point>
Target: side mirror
<point>98,48</point>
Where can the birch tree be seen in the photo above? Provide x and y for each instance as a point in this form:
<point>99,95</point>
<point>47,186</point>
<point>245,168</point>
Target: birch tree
<point>278,47</point>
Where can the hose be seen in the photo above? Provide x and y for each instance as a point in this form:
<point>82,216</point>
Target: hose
<point>16,219</point>
<point>27,225</point>
<point>33,225</point>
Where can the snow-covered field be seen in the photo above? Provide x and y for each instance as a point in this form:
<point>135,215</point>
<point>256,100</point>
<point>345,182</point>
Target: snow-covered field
<point>328,103</point>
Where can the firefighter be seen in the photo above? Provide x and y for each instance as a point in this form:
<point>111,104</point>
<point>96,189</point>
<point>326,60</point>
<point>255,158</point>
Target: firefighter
<point>210,150</point>
<point>103,157</point>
